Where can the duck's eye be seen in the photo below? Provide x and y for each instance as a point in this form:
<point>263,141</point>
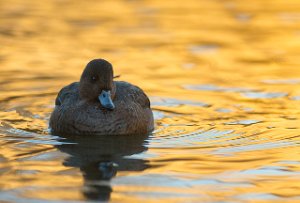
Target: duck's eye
<point>94,78</point>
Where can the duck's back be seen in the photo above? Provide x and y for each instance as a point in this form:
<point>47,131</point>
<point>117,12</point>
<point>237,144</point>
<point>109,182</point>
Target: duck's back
<point>132,114</point>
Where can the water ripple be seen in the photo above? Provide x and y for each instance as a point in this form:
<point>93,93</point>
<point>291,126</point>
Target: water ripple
<point>171,102</point>
<point>264,95</point>
<point>211,87</point>
<point>18,135</point>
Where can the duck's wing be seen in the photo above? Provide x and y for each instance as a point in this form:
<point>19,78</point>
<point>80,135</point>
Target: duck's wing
<point>130,93</point>
<point>67,94</point>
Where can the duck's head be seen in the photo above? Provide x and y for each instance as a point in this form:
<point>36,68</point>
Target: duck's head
<point>96,83</point>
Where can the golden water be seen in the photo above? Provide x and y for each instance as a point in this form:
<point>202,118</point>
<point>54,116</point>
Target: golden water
<point>223,78</point>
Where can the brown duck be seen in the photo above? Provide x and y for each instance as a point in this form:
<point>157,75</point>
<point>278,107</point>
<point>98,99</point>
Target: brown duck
<point>97,105</point>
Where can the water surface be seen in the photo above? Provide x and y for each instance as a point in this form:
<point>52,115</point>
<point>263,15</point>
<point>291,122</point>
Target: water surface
<point>223,78</point>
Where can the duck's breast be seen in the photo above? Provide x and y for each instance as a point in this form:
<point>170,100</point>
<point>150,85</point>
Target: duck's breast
<point>132,113</point>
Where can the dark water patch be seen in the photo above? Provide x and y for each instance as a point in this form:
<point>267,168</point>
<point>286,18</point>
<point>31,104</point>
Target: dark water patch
<point>255,61</point>
<point>84,23</point>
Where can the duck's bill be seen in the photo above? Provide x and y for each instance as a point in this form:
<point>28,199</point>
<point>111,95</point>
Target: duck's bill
<point>105,100</point>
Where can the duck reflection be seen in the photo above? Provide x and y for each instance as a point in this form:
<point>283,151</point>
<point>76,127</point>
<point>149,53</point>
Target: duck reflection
<point>100,158</point>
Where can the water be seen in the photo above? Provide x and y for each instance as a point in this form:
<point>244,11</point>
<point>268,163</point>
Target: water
<point>223,78</point>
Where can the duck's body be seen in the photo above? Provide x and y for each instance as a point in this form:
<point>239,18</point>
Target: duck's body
<point>128,114</point>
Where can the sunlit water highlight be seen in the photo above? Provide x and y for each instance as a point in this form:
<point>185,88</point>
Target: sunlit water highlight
<point>223,78</point>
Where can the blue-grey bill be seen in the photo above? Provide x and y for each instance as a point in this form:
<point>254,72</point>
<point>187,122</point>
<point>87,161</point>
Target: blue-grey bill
<point>105,100</point>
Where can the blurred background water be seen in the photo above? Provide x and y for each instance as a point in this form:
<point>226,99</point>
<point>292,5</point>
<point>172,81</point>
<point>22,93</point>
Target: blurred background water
<point>224,82</point>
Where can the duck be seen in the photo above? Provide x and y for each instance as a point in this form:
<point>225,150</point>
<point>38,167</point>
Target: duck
<point>98,105</point>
